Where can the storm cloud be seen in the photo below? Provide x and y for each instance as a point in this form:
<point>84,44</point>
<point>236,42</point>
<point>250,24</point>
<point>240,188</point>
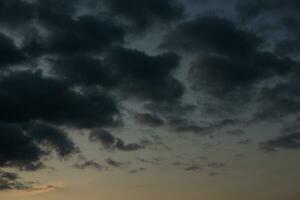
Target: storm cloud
<point>230,60</point>
<point>25,146</point>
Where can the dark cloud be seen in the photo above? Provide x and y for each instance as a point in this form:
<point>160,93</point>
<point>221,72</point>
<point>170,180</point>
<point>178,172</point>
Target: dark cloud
<point>289,128</point>
<point>239,155</point>
<point>18,149</point>
<point>236,132</point>
<point>288,47</point>
<point>138,170</point>
<point>245,142</point>
<point>193,168</point>
<point>289,141</point>
<point>156,161</point>
<point>190,128</point>
<point>57,28</point>
<point>10,54</point>
<point>106,139</point>
<point>114,163</point>
<point>213,174</point>
<point>67,66</point>
<point>212,34</point>
<point>149,119</point>
<point>25,146</point>
<point>89,165</point>
<point>8,175</point>
<point>49,135</point>
<point>81,35</point>
<point>83,70</point>
<point>62,66</point>
<point>179,124</point>
<point>252,9</point>
<point>154,142</point>
<point>177,108</point>
<point>145,77</point>
<point>128,147</point>
<point>110,142</point>
<point>224,124</point>
<point>55,9</point>
<point>234,77</point>
<point>30,96</point>
<point>281,16</point>
<point>280,101</point>
<point>131,73</point>
<point>216,165</point>
<point>145,13</point>
<point>8,10</point>
<point>11,181</point>
<point>231,63</point>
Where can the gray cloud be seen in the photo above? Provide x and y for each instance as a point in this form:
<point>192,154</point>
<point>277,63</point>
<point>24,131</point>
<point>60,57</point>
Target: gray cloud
<point>142,14</point>
<point>11,181</point>
<point>110,142</point>
<point>289,141</point>
<point>114,163</point>
<point>149,119</point>
<point>89,165</point>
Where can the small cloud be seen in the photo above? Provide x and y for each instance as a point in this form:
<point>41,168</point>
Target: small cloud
<point>213,173</point>
<point>114,163</point>
<point>137,170</point>
<point>216,165</point>
<point>110,142</point>
<point>149,119</point>
<point>236,132</point>
<point>89,165</point>
<point>193,168</point>
<point>245,142</point>
<point>290,141</point>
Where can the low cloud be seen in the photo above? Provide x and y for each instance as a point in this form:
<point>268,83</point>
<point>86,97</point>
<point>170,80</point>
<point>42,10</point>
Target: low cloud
<point>110,142</point>
<point>289,141</point>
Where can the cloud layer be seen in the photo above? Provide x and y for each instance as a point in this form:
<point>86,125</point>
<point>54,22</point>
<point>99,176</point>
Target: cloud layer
<point>68,65</point>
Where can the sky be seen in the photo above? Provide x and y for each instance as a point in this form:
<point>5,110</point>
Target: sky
<point>149,99</point>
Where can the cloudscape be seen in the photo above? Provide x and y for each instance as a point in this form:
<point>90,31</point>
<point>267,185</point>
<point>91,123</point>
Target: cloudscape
<point>149,99</point>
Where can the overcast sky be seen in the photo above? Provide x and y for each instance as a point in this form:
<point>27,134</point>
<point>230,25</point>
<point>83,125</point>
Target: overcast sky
<point>149,99</point>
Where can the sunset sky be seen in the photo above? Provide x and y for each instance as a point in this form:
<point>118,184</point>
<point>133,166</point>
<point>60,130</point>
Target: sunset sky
<point>149,99</point>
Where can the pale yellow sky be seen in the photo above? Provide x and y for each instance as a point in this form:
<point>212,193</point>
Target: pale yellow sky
<point>258,176</point>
